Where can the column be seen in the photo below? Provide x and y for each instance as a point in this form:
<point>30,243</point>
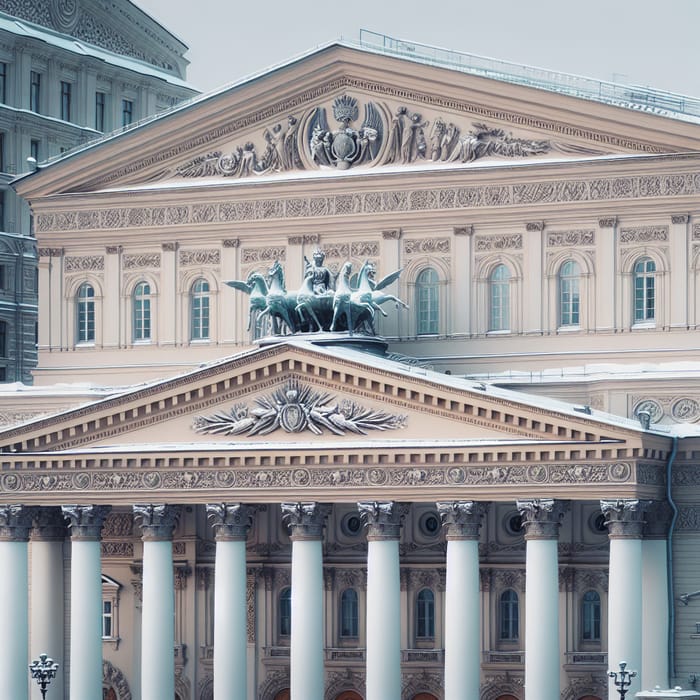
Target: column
<point>655,612</point>
<point>305,522</point>
<point>231,523</point>
<point>15,521</point>
<point>625,522</point>
<point>85,524</point>
<point>47,609</point>
<point>383,526</point>
<point>158,616</point>
<point>461,521</point>
<point>541,520</point>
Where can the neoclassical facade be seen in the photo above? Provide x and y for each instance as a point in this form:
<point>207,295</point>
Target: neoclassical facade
<point>343,516</point>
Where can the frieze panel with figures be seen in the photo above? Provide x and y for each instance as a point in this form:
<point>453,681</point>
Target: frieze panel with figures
<point>576,237</point>
<point>84,262</point>
<point>557,191</point>
<point>200,257</point>
<point>505,242</point>
<point>644,234</point>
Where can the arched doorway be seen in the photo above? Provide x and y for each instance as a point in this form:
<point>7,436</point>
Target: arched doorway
<point>282,695</point>
<point>349,695</point>
<point>506,697</point>
<point>424,696</point>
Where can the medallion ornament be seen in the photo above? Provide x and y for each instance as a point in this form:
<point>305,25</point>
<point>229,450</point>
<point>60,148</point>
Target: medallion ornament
<point>295,408</point>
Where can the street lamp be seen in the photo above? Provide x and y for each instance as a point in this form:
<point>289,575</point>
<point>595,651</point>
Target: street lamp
<point>43,671</point>
<point>625,679</point>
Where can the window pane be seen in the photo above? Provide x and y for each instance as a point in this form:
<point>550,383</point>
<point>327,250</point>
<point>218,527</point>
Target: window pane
<point>100,111</point>
<point>644,290</point>
<point>425,614</point>
<point>66,101</point>
<point>427,302</point>
<point>142,312</point>
<point>199,309</point>
<point>85,314</point>
<point>569,294</point>
<point>509,615</point>
<point>499,288</point>
<point>349,615</point>
<point>35,91</point>
<point>590,616</point>
<point>285,612</point>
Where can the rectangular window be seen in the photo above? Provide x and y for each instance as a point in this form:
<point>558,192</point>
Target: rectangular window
<point>66,89</point>
<point>2,153</point>
<point>106,619</point>
<point>3,82</point>
<point>2,211</point>
<point>3,339</point>
<point>34,149</point>
<point>100,99</point>
<point>35,91</point>
<point>127,112</point>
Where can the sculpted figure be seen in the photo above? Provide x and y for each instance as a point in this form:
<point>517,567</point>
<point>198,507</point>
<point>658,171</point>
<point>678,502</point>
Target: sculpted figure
<point>321,278</point>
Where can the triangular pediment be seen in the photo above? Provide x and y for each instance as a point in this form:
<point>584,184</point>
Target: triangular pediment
<point>346,110</point>
<point>301,393</point>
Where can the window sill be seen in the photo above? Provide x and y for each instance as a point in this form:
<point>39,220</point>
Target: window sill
<point>85,344</point>
<point>112,641</point>
<point>569,329</point>
<point>201,341</point>
<point>504,331</point>
<point>644,325</point>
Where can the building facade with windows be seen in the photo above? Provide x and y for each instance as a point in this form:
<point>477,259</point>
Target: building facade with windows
<point>69,73</point>
<point>439,533</point>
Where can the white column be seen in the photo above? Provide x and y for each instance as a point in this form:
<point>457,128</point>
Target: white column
<point>383,523</point>
<point>305,522</point>
<point>158,616</point>
<point>462,522</point>
<point>624,520</point>
<point>85,600</point>
<point>541,520</point>
<point>15,521</point>
<point>47,611</point>
<point>231,522</point>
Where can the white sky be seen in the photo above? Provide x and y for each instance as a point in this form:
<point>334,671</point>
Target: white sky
<point>645,42</point>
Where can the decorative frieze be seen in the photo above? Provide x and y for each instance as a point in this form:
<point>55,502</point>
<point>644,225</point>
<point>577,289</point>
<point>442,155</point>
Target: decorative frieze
<point>688,518</point>
<point>570,239</point>
<point>50,252</point>
<point>211,256</point>
<point>512,241</point>
<point>682,409</point>
<point>643,234</point>
<point>413,246</point>
<point>118,525</point>
<point>268,254</point>
<point>84,262</point>
<point>117,549</point>
<point>141,261</point>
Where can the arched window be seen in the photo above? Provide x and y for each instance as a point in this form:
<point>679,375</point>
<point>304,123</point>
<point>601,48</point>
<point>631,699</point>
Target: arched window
<point>499,299</point>
<point>590,616</point>
<point>644,290</point>
<point>199,306</point>
<point>142,311</point>
<point>425,614</point>
<point>85,314</point>
<point>285,612</point>
<point>509,615</point>
<point>427,302</point>
<point>569,294</point>
<point>349,613</point>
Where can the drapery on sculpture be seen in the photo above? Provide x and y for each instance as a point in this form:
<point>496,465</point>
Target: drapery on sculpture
<point>324,302</point>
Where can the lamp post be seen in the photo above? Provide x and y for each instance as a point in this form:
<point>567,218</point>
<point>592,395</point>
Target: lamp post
<point>625,679</point>
<point>43,671</point>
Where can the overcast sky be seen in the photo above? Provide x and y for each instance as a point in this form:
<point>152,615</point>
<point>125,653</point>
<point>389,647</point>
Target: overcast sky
<point>645,42</point>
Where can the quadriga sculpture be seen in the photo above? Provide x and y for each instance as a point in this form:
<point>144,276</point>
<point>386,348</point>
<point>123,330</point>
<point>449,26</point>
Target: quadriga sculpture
<point>323,303</point>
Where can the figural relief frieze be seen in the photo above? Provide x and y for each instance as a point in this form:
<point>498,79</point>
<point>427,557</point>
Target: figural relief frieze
<point>296,408</point>
<point>312,140</point>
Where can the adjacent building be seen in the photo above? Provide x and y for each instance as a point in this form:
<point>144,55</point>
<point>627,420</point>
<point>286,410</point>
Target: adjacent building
<point>383,517</point>
<point>68,73</point>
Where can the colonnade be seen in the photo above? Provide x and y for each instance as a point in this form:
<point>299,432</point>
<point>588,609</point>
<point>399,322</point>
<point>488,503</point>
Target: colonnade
<point>628,639</point>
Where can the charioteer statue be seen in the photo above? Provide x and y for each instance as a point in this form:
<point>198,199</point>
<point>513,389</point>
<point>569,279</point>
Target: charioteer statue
<point>324,303</point>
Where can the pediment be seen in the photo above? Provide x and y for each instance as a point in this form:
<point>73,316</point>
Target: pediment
<point>298,393</point>
<point>347,110</point>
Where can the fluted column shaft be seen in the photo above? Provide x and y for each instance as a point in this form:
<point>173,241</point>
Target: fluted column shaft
<point>85,524</point>
<point>462,521</point>
<point>305,522</point>
<point>15,521</point>
<point>158,617</point>
<point>624,519</point>
<point>47,608</point>
<point>541,520</point>
<point>231,523</point>
<point>383,525</point>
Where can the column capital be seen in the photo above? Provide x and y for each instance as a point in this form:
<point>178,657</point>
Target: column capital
<point>382,519</point>
<point>157,521</point>
<point>230,521</point>
<point>461,520</point>
<point>624,518</point>
<point>85,522</point>
<point>15,522</point>
<point>305,521</point>
<point>49,525</point>
<point>541,517</point>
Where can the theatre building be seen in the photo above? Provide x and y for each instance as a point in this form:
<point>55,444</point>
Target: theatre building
<point>491,494</point>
